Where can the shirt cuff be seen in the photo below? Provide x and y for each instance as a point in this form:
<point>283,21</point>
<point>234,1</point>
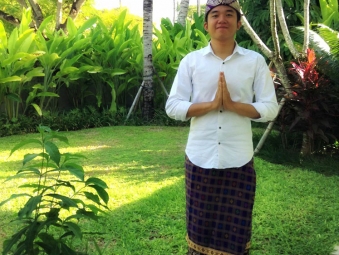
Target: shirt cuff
<point>267,111</point>
<point>180,111</point>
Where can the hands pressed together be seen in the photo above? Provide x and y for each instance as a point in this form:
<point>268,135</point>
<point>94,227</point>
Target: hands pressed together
<point>222,101</point>
<point>222,98</point>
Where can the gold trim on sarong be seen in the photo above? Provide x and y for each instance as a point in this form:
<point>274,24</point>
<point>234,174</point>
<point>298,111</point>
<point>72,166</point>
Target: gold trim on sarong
<point>209,251</point>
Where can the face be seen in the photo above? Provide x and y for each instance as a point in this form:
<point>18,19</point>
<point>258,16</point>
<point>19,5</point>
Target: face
<point>222,23</point>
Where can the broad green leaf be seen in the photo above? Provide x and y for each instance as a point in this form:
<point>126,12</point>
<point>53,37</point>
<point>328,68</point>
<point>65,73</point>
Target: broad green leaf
<point>24,41</point>
<point>12,40</point>
<point>96,181</point>
<point>3,36</point>
<point>55,44</point>
<point>67,70</point>
<point>47,94</point>
<point>14,97</point>
<point>53,152</point>
<point>101,192</point>
<point>87,24</point>
<point>82,213</point>
<point>68,185</point>
<point>74,228</point>
<point>38,109</point>
<point>71,28</point>
<point>14,196</point>
<point>41,43</point>
<point>29,207</point>
<point>48,244</point>
<point>91,69</point>
<point>162,74</point>
<point>10,79</point>
<point>46,22</point>
<point>55,135</point>
<point>96,209</point>
<point>66,201</point>
<point>183,52</point>
<point>8,244</point>
<point>201,36</point>
<point>36,72</point>
<point>92,197</point>
<point>80,44</point>
<point>29,157</point>
<point>23,143</point>
<point>36,186</point>
<point>117,71</point>
<point>74,169</point>
<point>33,170</point>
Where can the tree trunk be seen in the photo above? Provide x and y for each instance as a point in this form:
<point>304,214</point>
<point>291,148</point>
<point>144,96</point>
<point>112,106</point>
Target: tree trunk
<point>73,13</point>
<point>198,7</point>
<point>184,4</point>
<point>37,13</point>
<point>284,29</point>
<point>148,92</point>
<point>306,26</point>
<point>274,56</point>
<point>276,9</point>
<point>58,18</point>
<point>174,10</point>
<point>23,3</point>
<point>307,143</point>
<point>9,18</point>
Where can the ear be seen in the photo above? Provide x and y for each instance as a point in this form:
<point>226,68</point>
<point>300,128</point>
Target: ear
<point>206,26</point>
<point>239,25</point>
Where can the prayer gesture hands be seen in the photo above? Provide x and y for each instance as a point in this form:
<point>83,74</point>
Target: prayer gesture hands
<point>222,98</point>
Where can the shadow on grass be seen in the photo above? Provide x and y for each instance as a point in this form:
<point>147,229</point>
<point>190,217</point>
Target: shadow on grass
<point>273,152</point>
<point>151,225</point>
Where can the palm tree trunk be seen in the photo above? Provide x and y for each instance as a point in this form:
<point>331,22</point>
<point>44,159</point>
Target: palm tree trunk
<point>58,15</point>
<point>184,4</point>
<point>198,7</point>
<point>148,92</point>
<point>174,10</point>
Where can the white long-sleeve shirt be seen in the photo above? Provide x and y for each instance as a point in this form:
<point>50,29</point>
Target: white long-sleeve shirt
<point>222,139</point>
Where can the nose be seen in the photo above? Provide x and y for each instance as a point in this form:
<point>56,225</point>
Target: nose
<point>222,19</point>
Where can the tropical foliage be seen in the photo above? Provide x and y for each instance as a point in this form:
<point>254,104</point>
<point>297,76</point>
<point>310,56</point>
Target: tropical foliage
<point>312,106</point>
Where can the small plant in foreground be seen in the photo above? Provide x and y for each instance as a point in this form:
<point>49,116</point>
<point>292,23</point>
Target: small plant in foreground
<point>49,219</point>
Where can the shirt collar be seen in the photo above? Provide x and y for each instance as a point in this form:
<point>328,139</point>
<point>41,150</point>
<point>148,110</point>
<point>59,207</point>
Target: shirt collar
<point>237,49</point>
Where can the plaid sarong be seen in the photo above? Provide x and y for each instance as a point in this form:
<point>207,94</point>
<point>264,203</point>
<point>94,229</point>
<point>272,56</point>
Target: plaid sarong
<point>219,204</point>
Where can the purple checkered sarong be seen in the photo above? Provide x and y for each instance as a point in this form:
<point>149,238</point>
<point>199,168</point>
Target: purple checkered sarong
<point>219,204</point>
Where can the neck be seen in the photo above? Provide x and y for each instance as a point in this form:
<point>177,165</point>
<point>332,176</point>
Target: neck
<point>223,49</point>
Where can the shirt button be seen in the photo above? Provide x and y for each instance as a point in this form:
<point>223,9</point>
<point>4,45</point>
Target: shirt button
<point>219,127</point>
<point>220,110</point>
<point>219,143</point>
<point>223,63</point>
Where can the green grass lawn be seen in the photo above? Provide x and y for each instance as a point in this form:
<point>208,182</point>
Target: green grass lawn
<point>296,210</point>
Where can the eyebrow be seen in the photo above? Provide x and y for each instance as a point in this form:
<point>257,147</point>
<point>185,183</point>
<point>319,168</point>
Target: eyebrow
<point>228,10</point>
